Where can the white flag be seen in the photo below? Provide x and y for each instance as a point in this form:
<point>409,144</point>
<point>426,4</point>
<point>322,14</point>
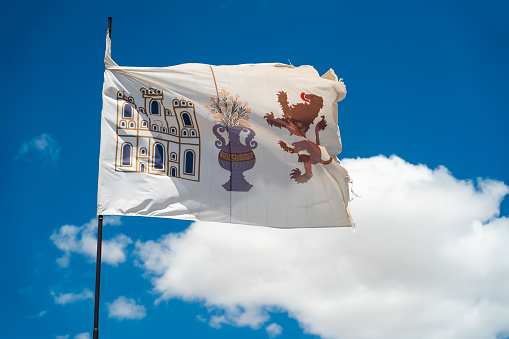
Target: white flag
<point>249,144</point>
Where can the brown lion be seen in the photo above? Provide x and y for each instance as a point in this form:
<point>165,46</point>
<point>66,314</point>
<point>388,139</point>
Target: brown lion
<point>298,119</point>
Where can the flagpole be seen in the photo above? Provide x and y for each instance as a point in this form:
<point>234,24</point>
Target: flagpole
<point>99,248</point>
<point>98,275</point>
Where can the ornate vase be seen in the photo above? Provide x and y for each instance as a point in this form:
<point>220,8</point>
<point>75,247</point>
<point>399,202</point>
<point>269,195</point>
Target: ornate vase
<point>235,156</point>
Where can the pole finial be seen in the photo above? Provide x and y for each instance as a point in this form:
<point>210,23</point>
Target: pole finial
<point>109,26</point>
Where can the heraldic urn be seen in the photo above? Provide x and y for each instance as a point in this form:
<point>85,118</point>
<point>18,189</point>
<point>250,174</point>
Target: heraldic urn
<point>235,156</point>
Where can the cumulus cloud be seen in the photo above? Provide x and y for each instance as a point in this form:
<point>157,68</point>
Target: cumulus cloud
<point>67,298</point>
<point>83,240</point>
<point>42,148</point>
<point>126,308</point>
<point>429,259</point>
<point>85,335</point>
<point>62,336</point>
<point>273,330</point>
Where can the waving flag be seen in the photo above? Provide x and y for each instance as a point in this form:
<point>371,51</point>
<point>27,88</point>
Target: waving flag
<point>251,144</point>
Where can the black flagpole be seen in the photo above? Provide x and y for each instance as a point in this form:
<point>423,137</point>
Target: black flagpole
<point>98,275</point>
<point>99,247</point>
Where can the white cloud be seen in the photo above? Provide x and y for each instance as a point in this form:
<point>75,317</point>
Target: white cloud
<point>62,336</point>
<point>43,146</point>
<point>85,335</point>
<point>273,330</point>
<point>201,318</point>
<point>67,298</point>
<point>83,240</point>
<point>124,308</point>
<point>41,314</point>
<point>429,259</point>
<point>216,321</point>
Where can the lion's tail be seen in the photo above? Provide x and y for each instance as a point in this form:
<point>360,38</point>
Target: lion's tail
<point>326,162</point>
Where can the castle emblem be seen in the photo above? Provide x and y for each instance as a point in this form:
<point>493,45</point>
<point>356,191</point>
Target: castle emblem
<point>157,136</point>
<point>297,119</point>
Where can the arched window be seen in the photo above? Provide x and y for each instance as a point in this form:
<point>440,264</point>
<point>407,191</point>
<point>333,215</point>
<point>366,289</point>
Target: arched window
<point>173,156</point>
<point>154,127</point>
<point>187,119</point>
<point>131,124</point>
<point>164,130</point>
<point>184,133</point>
<point>142,167</point>
<point>173,130</point>
<point>126,154</point>
<point>158,157</point>
<point>154,107</point>
<point>173,171</point>
<point>143,151</point>
<point>128,111</point>
<point>144,124</point>
<point>122,124</point>
<point>193,133</point>
<point>189,162</point>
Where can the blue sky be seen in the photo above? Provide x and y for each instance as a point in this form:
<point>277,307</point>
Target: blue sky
<point>426,81</point>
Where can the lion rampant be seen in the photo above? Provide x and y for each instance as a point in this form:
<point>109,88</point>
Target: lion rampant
<point>298,119</point>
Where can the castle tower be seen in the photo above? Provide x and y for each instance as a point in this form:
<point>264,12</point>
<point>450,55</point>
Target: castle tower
<point>127,141</point>
<point>189,153</point>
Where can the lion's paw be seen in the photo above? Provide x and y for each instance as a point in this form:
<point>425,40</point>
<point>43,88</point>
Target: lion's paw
<point>285,147</point>
<point>320,126</point>
<point>297,175</point>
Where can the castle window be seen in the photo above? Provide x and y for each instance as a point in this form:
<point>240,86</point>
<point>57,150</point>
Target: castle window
<point>128,111</point>
<point>182,103</point>
<point>154,127</point>
<point>144,124</point>
<point>184,133</point>
<point>193,133</point>
<point>187,119</point>
<point>143,151</point>
<point>173,156</point>
<point>158,157</point>
<point>189,162</point>
<point>175,102</point>
<point>154,107</point>
<point>173,171</point>
<point>131,124</point>
<point>164,130</point>
<point>142,167</point>
<point>126,154</point>
<point>168,113</point>
<point>190,103</point>
<point>122,124</point>
<point>173,130</point>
